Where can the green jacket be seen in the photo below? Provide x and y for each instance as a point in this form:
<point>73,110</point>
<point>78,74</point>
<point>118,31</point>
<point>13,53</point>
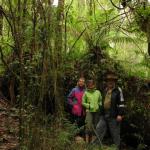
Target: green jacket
<point>92,100</point>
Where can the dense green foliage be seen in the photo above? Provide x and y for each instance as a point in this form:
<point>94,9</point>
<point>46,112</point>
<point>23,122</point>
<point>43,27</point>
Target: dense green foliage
<point>45,48</point>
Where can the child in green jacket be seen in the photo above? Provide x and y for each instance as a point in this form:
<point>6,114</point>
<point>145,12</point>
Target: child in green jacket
<point>91,101</point>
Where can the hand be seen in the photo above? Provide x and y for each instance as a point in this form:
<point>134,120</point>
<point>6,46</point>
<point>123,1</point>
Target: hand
<point>87,110</point>
<point>119,118</point>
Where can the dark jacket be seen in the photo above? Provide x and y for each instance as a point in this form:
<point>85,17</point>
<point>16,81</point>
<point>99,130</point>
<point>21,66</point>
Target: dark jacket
<point>117,103</point>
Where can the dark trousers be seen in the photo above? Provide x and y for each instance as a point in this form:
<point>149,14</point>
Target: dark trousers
<point>103,125</point>
<point>79,122</point>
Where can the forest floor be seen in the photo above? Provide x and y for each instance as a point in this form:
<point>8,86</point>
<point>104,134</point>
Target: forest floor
<point>9,126</point>
<point>105,146</point>
<point>9,129</point>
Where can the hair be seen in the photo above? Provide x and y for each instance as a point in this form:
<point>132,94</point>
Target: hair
<point>90,81</point>
<point>81,78</point>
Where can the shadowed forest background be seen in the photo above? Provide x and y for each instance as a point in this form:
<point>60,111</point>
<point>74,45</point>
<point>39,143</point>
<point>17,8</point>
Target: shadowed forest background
<point>45,47</point>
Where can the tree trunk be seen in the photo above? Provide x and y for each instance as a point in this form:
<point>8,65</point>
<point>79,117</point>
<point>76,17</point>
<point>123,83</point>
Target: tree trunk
<point>1,21</point>
<point>58,55</point>
<point>149,48</point>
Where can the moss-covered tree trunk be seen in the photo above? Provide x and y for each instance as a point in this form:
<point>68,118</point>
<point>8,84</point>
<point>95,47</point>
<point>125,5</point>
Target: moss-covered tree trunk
<point>58,51</point>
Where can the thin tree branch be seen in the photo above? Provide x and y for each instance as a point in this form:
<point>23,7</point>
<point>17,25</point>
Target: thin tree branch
<point>116,5</point>
<point>5,63</point>
<point>103,9</point>
<point>6,17</point>
<point>133,42</point>
<point>66,25</point>
<point>78,39</point>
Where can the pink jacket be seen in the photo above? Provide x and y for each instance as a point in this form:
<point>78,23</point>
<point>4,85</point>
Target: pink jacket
<point>75,100</point>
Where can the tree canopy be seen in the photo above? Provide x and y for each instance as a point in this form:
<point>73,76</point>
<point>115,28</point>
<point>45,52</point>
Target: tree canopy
<point>46,45</point>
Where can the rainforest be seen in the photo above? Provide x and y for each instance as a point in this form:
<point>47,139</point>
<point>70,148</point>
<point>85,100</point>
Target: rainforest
<point>46,46</point>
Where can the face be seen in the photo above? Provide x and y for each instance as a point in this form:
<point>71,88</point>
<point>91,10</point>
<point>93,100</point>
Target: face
<point>81,82</point>
<point>90,85</point>
<point>110,83</point>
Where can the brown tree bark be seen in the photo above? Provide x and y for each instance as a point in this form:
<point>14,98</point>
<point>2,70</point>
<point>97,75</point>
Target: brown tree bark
<point>58,54</point>
<point>1,21</point>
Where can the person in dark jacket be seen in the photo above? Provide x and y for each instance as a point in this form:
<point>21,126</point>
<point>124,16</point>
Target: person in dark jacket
<point>112,111</point>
